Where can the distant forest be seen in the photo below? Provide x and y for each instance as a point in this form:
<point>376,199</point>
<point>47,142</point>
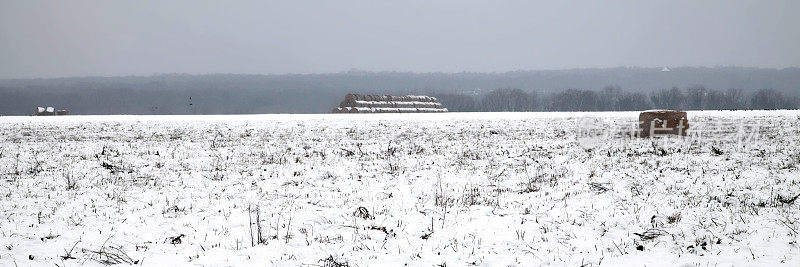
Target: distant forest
<point>557,90</point>
<point>613,98</point>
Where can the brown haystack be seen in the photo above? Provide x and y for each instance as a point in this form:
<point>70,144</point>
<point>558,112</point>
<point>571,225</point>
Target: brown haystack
<point>663,122</point>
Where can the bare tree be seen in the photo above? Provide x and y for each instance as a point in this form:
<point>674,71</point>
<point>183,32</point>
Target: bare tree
<point>506,99</point>
<point>633,101</point>
<point>609,98</point>
<point>696,97</point>
<point>575,100</point>
<point>716,100</point>
<point>668,98</point>
<point>770,99</point>
<point>736,99</point>
<point>458,102</point>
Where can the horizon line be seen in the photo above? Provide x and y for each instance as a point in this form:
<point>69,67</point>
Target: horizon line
<point>360,71</point>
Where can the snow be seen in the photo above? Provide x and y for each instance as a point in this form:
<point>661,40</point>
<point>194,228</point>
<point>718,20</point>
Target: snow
<point>657,110</point>
<point>489,189</point>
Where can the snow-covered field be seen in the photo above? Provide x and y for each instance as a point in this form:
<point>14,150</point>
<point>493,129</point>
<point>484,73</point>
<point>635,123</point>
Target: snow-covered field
<point>452,189</point>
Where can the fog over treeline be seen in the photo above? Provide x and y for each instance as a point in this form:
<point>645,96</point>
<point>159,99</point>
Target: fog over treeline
<point>556,90</point>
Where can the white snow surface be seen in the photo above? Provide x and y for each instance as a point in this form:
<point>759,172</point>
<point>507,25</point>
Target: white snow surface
<point>485,189</point>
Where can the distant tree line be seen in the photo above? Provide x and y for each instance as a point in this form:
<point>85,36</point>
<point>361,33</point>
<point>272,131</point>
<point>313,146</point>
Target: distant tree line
<point>319,93</point>
<point>613,98</point>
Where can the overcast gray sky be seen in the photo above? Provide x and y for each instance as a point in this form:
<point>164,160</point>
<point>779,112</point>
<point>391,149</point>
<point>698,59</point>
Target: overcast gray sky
<point>109,38</point>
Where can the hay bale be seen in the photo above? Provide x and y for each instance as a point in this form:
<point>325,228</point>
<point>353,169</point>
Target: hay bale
<point>663,122</point>
<point>48,111</point>
<point>355,103</point>
<point>362,110</point>
<point>431,110</point>
<point>426,105</point>
<point>381,104</point>
<point>361,103</point>
<point>404,104</point>
<point>387,110</point>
